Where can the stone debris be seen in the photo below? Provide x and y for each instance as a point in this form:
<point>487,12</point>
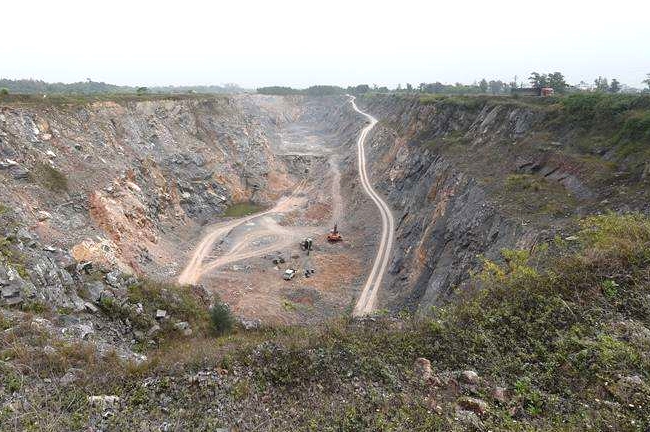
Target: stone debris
<point>103,401</point>
<point>84,266</point>
<point>11,295</point>
<point>250,324</point>
<point>184,328</point>
<point>154,330</point>
<point>423,369</point>
<point>470,377</point>
<point>91,307</point>
<point>499,394</point>
<point>113,278</point>
<point>477,406</point>
<point>469,419</point>
<point>43,216</point>
<point>161,314</point>
<point>134,187</point>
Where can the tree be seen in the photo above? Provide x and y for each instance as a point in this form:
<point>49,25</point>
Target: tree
<point>538,81</point>
<point>142,90</point>
<point>557,82</point>
<point>422,87</point>
<point>496,87</point>
<point>647,81</point>
<point>221,318</point>
<point>4,91</point>
<point>601,84</point>
<point>409,87</point>
<point>483,85</point>
<point>614,86</point>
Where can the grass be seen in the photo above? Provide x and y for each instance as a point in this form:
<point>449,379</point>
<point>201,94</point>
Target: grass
<point>242,209</point>
<point>555,326</point>
<point>475,103</point>
<point>183,303</point>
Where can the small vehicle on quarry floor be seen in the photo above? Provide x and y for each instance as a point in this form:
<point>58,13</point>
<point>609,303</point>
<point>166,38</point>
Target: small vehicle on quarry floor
<point>288,274</point>
<point>334,236</point>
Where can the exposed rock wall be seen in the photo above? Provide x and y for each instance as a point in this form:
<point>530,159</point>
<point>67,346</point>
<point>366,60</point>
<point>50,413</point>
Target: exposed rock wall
<point>138,176</point>
<point>450,172</point>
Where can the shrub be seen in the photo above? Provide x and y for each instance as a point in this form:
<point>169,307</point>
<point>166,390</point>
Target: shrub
<point>595,108</point>
<point>181,302</point>
<point>49,177</point>
<point>221,318</point>
<point>4,91</point>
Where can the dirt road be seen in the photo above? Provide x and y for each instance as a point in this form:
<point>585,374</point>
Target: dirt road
<point>366,302</point>
<point>196,267</point>
<point>258,234</point>
<point>267,232</point>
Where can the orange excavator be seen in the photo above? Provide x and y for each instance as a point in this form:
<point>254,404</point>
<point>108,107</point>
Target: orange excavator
<point>334,236</point>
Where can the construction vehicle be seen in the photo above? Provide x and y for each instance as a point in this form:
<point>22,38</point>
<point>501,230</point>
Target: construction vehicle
<point>334,236</point>
<point>288,274</point>
<point>307,244</point>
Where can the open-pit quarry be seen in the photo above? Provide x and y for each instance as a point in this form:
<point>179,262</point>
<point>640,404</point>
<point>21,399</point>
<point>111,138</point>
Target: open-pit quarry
<point>500,245</point>
<point>217,192</point>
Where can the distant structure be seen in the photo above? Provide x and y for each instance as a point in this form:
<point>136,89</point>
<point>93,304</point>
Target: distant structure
<point>532,91</point>
<point>547,91</point>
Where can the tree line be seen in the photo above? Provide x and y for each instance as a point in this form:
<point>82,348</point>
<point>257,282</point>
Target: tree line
<point>554,80</point>
<point>31,86</point>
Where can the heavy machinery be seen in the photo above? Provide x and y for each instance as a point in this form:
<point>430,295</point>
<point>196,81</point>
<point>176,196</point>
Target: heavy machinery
<point>334,236</point>
<point>307,244</point>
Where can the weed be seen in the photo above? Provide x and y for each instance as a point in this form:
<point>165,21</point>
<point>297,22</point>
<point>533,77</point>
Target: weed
<point>241,209</point>
<point>221,318</point>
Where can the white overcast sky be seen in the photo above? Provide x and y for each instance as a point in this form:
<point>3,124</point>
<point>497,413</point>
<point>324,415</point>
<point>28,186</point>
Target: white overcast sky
<point>300,43</point>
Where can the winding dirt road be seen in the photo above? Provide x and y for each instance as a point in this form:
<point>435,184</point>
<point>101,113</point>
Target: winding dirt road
<point>259,234</point>
<point>366,302</point>
<point>196,267</point>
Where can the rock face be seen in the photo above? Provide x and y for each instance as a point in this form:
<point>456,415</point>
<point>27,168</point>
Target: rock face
<point>124,183</point>
<point>450,173</point>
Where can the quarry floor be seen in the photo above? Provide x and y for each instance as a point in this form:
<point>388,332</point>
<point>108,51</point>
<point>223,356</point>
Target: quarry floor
<point>234,257</point>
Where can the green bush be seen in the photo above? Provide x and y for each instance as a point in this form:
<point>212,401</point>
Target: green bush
<point>181,302</point>
<point>595,108</point>
<point>49,177</point>
<point>4,91</point>
<point>221,318</point>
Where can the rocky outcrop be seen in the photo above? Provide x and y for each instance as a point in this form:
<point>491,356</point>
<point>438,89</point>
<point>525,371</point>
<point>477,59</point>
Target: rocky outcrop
<point>450,170</point>
<point>140,175</point>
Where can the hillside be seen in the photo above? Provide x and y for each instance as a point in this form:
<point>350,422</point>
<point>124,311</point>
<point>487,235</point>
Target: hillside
<point>517,296</point>
<point>472,175</point>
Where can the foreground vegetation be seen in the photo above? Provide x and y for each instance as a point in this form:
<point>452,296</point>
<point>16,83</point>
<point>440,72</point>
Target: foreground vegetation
<point>565,329</point>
